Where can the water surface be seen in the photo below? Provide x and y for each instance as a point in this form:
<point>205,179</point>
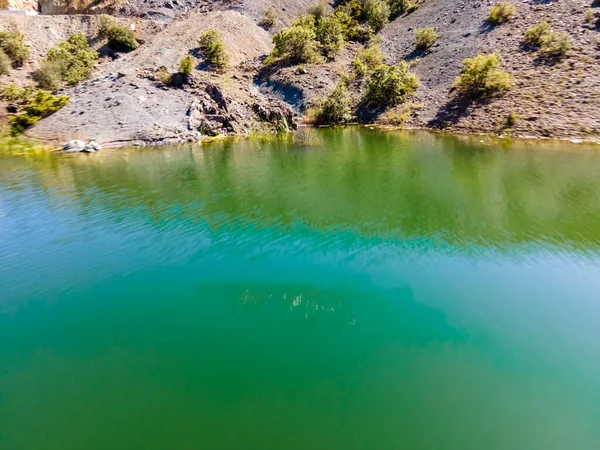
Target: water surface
<point>368,291</point>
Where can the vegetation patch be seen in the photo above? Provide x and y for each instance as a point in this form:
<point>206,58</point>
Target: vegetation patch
<point>556,45</point>
<point>551,45</point>
<point>186,65</point>
<point>329,35</point>
<point>480,76</point>
<point>389,85</point>
<point>69,61</point>
<point>377,13</point>
<point>269,18</point>
<point>336,108</point>
<point>399,7</point>
<point>5,63</point>
<point>535,36</point>
<point>425,38</point>
<point>119,37</point>
<point>367,60</point>
<point>501,12</point>
<point>12,43</point>
<point>35,107</point>
<point>212,48</point>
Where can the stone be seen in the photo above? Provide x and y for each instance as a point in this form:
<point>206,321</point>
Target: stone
<point>74,146</point>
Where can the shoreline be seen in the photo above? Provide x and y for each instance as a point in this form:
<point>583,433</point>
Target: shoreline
<point>36,144</point>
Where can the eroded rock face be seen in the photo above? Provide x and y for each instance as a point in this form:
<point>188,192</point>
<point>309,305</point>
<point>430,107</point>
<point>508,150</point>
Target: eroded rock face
<point>212,113</point>
<point>53,7</point>
<point>209,113</point>
<point>19,5</point>
<point>276,113</point>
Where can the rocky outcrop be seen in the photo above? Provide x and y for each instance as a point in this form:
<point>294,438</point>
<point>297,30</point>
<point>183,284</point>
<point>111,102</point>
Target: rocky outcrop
<point>19,5</point>
<point>277,113</point>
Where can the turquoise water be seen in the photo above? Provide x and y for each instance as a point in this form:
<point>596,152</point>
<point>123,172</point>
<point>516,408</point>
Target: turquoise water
<point>367,291</point>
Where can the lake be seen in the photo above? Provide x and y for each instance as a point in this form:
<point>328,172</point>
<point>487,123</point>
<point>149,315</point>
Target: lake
<point>363,290</point>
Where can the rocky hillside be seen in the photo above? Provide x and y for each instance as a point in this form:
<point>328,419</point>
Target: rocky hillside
<point>124,101</point>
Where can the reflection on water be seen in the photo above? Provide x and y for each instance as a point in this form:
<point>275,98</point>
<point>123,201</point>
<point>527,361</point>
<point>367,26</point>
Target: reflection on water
<point>376,290</point>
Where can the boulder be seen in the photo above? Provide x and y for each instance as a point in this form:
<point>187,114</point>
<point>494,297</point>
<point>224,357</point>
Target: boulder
<point>74,146</point>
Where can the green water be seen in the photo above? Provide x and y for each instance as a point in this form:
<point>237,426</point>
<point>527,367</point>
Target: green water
<point>368,291</point>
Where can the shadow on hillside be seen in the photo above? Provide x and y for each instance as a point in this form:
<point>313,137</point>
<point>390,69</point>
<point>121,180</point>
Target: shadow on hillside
<point>266,84</point>
<point>458,107</point>
<point>486,27</point>
<point>546,61</point>
<point>416,54</point>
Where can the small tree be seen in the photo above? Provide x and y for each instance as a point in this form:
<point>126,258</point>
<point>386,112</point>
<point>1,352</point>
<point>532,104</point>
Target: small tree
<point>213,49</point>
<point>378,13</point>
<point>501,12</point>
<point>336,108</point>
<point>121,39</point>
<point>367,60</point>
<point>319,10</point>
<point>555,45</point>
<point>425,38</point>
<point>186,65</point>
<point>296,44</point>
<point>73,58</point>
<point>13,45</point>
<point>398,7</point>
<point>48,76</point>
<point>269,18</point>
<point>535,36</point>
<point>330,36</point>
<point>481,76</point>
<point>390,85</point>
<point>40,105</point>
<point>5,63</point>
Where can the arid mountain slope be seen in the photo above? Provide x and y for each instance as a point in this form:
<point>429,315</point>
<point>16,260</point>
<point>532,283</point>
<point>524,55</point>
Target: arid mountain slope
<point>122,102</point>
<point>552,98</point>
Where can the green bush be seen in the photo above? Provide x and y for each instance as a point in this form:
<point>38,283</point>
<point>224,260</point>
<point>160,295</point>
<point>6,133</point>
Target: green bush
<point>165,77</point>
<point>186,65</point>
<point>555,45</point>
<point>367,60</point>
<point>511,120</point>
<point>5,63</point>
<point>15,93</point>
<point>336,108</point>
<point>351,28</point>
<point>12,43</point>
<point>319,10</point>
<point>121,38</point>
<point>377,13</point>
<point>501,12</point>
<point>535,36</point>
<point>40,105</point>
<point>589,15</point>
<point>425,38</point>
<point>73,58</point>
<point>390,85</point>
<point>269,18</point>
<point>398,7</point>
<point>354,8</point>
<point>296,44</point>
<point>48,76</point>
<point>412,8</point>
<point>481,76</point>
<point>330,35</point>
<point>212,47</point>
